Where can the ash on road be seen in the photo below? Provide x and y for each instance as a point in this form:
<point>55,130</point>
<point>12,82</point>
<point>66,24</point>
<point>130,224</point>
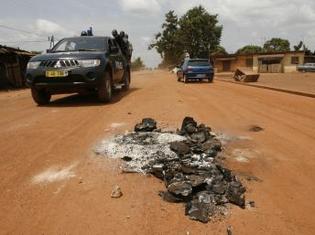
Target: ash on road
<point>186,161</point>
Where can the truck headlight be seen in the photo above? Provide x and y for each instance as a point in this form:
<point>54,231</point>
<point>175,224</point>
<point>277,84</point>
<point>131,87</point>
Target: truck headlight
<point>33,64</point>
<point>89,63</point>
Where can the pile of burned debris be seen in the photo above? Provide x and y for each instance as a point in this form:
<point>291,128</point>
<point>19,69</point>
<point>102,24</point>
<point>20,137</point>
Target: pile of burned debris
<point>186,161</point>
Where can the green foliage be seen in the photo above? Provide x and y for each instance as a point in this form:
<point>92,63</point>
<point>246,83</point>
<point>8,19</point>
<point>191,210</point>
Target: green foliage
<point>220,50</point>
<point>308,51</point>
<point>196,32</point>
<point>299,46</point>
<point>199,32</point>
<point>277,45</point>
<point>302,47</point>
<point>137,64</point>
<point>250,49</point>
<point>167,42</point>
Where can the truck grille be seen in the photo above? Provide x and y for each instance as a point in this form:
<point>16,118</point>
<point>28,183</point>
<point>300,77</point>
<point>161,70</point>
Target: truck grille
<point>59,63</point>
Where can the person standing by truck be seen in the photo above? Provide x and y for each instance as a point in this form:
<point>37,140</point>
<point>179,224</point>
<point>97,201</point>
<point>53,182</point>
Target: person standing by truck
<point>122,40</point>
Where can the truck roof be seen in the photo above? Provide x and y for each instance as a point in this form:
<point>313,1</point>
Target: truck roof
<point>199,59</point>
<point>100,37</point>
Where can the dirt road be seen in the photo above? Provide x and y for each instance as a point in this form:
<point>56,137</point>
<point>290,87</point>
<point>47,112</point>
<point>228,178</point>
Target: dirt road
<point>52,183</point>
<point>292,82</point>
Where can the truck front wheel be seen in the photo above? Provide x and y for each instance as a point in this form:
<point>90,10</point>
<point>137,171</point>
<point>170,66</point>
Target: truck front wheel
<point>41,97</point>
<point>185,80</point>
<point>105,88</point>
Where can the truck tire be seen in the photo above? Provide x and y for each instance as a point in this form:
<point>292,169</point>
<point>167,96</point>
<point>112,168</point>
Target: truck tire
<point>105,89</point>
<point>126,80</point>
<point>185,80</point>
<point>41,97</point>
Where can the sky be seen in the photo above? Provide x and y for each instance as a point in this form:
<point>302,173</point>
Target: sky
<point>244,21</point>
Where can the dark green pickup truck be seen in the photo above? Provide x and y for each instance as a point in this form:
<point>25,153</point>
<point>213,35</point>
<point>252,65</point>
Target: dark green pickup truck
<point>78,64</point>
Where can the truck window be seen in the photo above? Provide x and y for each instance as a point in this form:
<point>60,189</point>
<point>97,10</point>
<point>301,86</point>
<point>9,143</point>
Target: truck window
<point>198,63</point>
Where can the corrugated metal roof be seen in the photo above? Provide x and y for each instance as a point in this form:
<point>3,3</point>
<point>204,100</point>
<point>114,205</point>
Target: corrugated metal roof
<point>226,59</point>
<point>271,56</point>
<point>11,50</point>
<point>257,54</point>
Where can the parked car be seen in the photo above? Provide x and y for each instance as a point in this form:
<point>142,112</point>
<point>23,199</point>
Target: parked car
<point>195,69</point>
<point>78,64</point>
<point>308,67</point>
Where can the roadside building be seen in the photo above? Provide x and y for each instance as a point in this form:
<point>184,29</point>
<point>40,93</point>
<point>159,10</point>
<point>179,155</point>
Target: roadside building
<point>13,63</point>
<point>274,62</point>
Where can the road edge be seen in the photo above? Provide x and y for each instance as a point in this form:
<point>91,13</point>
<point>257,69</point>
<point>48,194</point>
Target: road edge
<point>300,93</point>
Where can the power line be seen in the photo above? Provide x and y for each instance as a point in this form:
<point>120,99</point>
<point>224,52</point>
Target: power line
<point>21,30</point>
<point>16,29</point>
<point>51,39</point>
<point>25,41</point>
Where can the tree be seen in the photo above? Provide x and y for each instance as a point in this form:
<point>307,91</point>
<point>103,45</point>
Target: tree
<point>196,32</point>
<point>299,46</point>
<point>277,45</point>
<point>302,47</point>
<point>250,49</point>
<point>137,64</point>
<point>220,50</point>
<point>199,32</point>
<point>167,42</point>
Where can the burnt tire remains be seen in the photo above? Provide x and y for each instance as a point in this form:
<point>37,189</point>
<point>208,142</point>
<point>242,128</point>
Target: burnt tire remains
<point>195,177</point>
<point>187,162</point>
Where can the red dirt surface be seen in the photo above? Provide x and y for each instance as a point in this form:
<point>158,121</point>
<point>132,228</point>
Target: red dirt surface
<point>77,200</point>
<point>300,82</point>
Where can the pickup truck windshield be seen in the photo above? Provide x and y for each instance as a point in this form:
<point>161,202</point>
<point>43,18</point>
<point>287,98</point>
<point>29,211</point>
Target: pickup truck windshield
<point>198,63</point>
<point>80,44</point>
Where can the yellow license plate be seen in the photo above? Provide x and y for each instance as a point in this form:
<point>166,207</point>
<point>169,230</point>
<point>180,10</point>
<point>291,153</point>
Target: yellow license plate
<point>56,73</point>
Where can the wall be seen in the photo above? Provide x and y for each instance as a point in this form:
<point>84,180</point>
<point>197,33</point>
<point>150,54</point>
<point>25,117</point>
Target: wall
<point>286,62</point>
<point>287,65</point>
<point>238,62</point>
<point>13,73</point>
<point>241,62</point>
<point>255,63</point>
<point>218,66</point>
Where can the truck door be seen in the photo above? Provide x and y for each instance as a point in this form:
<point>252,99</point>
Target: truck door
<point>117,60</point>
<point>120,62</point>
<point>113,56</point>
